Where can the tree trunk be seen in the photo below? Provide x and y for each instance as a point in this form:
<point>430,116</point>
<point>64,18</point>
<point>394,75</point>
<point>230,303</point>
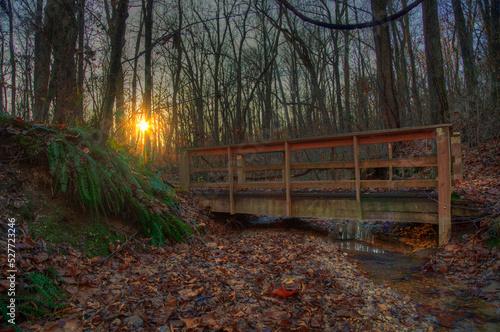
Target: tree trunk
<point>148,76</point>
<point>387,95</point>
<point>414,82</point>
<point>134,71</point>
<point>80,56</point>
<point>177,80</point>
<point>41,69</point>
<point>64,57</point>
<point>12,61</point>
<point>434,58</point>
<point>117,42</point>
<point>490,10</point>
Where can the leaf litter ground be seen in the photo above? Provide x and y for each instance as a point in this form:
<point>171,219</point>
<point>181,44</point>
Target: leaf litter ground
<point>237,281</point>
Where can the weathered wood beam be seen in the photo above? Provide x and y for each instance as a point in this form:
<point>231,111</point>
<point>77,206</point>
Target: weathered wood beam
<point>444,184</point>
<point>184,170</point>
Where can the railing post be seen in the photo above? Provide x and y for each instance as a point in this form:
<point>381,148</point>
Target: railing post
<point>240,162</point>
<point>332,159</point>
<point>456,152</point>
<point>358,176</point>
<point>231,179</point>
<point>184,170</point>
<point>444,184</point>
<point>288,180</point>
<point>390,157</point>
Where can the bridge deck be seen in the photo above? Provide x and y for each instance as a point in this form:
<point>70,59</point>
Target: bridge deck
<point>227,196</point>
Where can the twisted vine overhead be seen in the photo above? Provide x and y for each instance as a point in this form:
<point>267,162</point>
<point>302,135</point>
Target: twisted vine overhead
<point>365,25</point>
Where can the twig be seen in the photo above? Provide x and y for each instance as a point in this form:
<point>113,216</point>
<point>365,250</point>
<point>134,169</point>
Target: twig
<point>114,252</point>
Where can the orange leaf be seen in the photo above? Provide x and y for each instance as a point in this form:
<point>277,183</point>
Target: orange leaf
<point>283,292</point>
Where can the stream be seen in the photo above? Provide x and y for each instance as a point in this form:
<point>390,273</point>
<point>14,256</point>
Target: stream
<point>452,304</point>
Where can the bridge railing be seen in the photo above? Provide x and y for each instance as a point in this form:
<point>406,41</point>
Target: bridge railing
<point>235,167</point>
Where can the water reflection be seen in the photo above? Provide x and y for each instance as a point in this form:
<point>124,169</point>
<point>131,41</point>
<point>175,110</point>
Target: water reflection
<point>359,246</point>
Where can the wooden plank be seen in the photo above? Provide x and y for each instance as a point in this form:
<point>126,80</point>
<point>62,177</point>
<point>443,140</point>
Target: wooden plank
<point>456,151</point>
<point>231,180</point>
<point>399,184</point>
<point>207,169</point>
<point>209,184</point>
<point>260,147</point>
<point>321,144</point>
<point>240,163</point>
<point>366,137</point>
<point>184,170</point>
<point>323,184</point>
<point>408,162</point>
<point>259,168</point>
<point>396,137</point>
<point>444,184</point>
<point>208,151</point>
<point>324,165</point>
<point>259,185</point>
<point>288,181</point>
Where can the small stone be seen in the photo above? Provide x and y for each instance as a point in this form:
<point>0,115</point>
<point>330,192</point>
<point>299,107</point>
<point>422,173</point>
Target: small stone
<point>135,321</point>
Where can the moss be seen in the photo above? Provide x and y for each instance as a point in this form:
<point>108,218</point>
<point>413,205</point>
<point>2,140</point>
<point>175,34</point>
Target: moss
<point>494,233</point>
<point>99,237</point>
<point>29,144</point>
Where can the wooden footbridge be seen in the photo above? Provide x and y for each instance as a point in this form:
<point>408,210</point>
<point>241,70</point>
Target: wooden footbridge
<point>219,177</point>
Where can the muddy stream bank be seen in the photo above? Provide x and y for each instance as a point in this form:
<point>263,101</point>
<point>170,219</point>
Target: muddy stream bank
<point>450,303</point>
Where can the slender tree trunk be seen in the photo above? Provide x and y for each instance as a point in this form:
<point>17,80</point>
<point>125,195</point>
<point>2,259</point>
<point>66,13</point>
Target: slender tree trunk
<point>347,78</point>
<point>413,67</point>
<point>12,61</point>
<point>80,56</point>
<point>148,76</point>
<point>114,67</point>
<point>177,42</point>
<point>39,62</point>
<point>387,94</point>
<point>2,50</point>
<point>434,58</point>
<point>134,71</point>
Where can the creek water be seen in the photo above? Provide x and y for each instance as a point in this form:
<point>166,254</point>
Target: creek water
<point>451,303</point>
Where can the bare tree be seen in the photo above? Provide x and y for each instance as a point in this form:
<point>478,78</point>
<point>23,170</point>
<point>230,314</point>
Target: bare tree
<point>434,58</point>
<point>387,97</point>
<point>117,42</point>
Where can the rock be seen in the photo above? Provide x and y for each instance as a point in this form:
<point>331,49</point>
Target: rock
<point>134,321</point>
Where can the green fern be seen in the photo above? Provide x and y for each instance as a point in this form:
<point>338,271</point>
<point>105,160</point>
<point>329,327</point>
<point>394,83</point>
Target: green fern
<point>41,296</point>
<point>106,184</point>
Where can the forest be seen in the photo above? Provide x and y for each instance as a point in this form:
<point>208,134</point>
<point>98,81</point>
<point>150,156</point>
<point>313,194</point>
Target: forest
<point>209,72</point>
<point>102,194</point>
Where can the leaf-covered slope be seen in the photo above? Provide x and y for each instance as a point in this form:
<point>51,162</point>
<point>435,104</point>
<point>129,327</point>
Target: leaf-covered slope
<point>107,181</point>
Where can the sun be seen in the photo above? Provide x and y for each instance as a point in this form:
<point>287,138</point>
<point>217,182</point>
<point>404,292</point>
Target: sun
<point>143,125</point>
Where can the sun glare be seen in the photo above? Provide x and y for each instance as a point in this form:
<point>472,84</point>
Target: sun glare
<point>143,125</point>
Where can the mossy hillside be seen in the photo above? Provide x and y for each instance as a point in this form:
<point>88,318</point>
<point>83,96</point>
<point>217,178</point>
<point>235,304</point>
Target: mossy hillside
<point>106,181</point>
<point>109,181</point>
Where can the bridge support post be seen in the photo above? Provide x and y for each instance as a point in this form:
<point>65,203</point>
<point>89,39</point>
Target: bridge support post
<point>288,180</point>
<point>390,157</point>
<point>231,179</point>
<point>184,171</point>
<point>444,184</point>
<point>240,162</point>
<point>357,173</point>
